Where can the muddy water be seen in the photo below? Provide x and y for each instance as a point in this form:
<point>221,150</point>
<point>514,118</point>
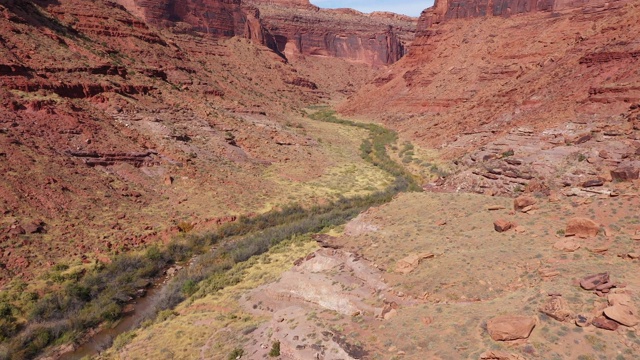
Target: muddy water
<point>103,339</point>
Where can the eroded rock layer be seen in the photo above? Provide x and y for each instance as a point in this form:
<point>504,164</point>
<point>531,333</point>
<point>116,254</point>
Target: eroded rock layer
<point>302,29</point>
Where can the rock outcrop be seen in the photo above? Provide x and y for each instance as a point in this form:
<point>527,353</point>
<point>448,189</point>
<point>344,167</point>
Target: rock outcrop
<point>302,29</point>
<point>223,18</point>
<point>444,10</point>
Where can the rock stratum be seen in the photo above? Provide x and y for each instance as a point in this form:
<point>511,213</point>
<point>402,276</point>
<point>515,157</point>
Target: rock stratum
<point>302,29</point>
<point>518,95</point>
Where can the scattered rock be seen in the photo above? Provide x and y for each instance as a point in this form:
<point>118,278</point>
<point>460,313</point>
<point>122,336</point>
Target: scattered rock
<point>566,245</point>
<point>619,299</point>
<point>604,323</point>
<point>592,183</point>
<point>500,355</point>
<point>625,173</point>
<point>168,180</point>
<point>34,227</point>
<point>591,282</point>
<point>583,320</point>
<point>495,207</point>
<point>522,202</point>
<point>411,262</point>
<point>557,308</point>
<point>622,314</point>
<point>502,225</point>
<point>511,327</point>
<point>548,274</point>
<point>582,227</point>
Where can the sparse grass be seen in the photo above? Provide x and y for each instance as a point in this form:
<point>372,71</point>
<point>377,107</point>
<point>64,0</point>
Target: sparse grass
<point>88,298</point>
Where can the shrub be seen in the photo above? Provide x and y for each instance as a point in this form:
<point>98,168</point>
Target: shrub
<point>237,353</point>
<point>275,349</point>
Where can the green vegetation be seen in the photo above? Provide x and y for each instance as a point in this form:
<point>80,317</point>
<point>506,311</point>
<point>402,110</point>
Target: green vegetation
<point>84,298</point>
<point>275,349</point>
<point>374,149</point>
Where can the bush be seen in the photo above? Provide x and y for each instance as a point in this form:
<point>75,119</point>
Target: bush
<point>237,353</point>
<point>275,349</point>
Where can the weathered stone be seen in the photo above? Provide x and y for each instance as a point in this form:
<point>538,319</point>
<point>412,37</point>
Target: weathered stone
<point>591,282</point>
<point>592,183</point>
<point>411,262</point>
<point>623,314</point>
<point>511,327</point>
<point>522,202</point>
<point>583,320</point>
<point>566,245</point>
<point>604,323</point>
<point>557,308</point>
<point>502,225</point>
<point>625,173</point>
<point>500,355</point>
<point>582,227</point>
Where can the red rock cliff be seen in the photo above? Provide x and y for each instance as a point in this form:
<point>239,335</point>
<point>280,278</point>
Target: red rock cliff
<point>214,17</point>
<point>444,10</point>
<point>301,28</point>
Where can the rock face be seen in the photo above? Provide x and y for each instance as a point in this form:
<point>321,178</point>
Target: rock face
<point>223,18</point>
<point>302,29</point>
<point>444,10</point>
<point>475,86</point>
<point>510,327</point>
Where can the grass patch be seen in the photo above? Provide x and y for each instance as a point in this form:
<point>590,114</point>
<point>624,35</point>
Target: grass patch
<point>81,300</point>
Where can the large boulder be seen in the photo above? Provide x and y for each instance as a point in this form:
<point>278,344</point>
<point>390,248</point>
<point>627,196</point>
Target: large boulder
<point>582,227</point>
<point>511,327</point>
<point>522,202</point>
<point>625,172</point>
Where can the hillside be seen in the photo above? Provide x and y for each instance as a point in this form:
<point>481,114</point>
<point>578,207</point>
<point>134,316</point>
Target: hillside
<point>548,85</point>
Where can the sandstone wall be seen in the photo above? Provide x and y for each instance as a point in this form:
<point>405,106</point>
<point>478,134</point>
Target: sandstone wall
<point>302,29</point>
<point>444,10</point>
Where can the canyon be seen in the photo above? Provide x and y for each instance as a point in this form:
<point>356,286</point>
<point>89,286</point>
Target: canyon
<point>146,133</point>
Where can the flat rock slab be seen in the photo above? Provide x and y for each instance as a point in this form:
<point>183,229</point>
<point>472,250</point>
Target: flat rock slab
<point>411,262</point>
<point>500,355</point>
<point>511,327</point>
<point>602,322</point>
<point>566,245</point>
<point>591,282</point>
<point>557,308</point>
<point>625,315</point>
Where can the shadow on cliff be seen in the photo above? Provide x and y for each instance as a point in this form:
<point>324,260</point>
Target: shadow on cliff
<point>30,12</point>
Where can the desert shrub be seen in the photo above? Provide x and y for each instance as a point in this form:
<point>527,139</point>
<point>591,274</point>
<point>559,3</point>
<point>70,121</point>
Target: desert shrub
<point>275,349</point>
<point>123,339</point>
<point>237,353</point>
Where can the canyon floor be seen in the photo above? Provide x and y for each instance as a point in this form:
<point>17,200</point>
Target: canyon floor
<point>419,278</point>
<point>128,134</point>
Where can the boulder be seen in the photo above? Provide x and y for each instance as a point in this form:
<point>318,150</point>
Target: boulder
<point>522,202</point>
<point>623,314</point>
<point>557,308</point>
<point>602,322</point>
<point>502,225</point>
<point>583,320</point>
<point>591,282</point>
<point>511,327</point>
<point>582,227</point>
<point>625,173</point>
